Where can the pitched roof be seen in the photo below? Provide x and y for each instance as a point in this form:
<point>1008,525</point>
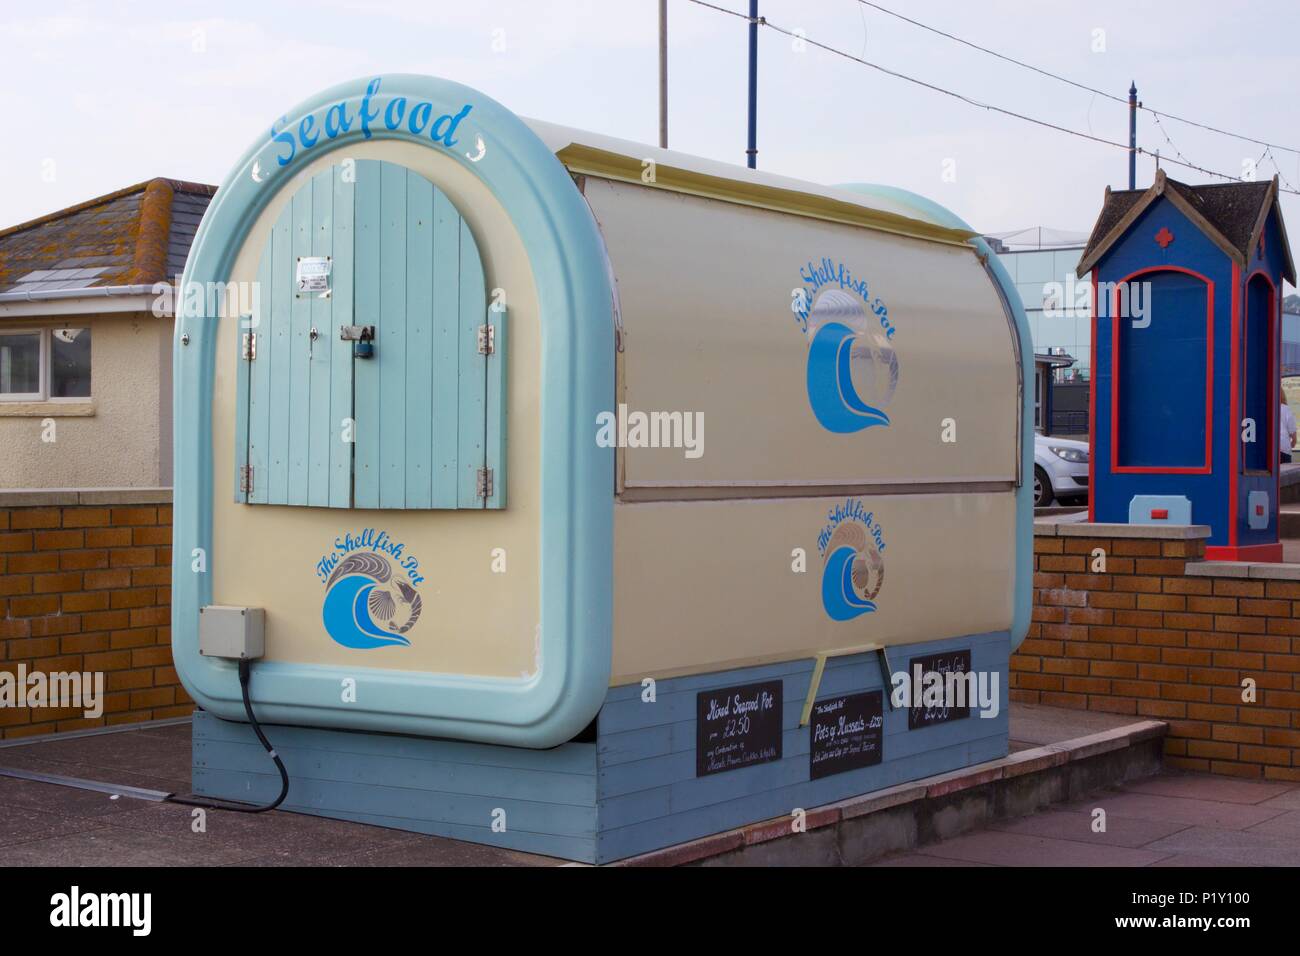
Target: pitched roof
<point>135,236</point>
<point>1232,215</point>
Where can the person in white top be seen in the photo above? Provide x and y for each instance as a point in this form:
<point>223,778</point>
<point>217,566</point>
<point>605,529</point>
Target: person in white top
<point>1287,435</point>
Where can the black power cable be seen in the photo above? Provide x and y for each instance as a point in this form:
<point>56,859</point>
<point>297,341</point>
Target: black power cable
<point>244,672</point>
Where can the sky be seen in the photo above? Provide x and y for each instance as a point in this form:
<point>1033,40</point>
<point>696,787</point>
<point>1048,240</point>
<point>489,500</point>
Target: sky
<point>98,96</point>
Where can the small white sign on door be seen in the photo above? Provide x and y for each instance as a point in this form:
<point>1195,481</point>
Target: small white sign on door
<point>313,274</point>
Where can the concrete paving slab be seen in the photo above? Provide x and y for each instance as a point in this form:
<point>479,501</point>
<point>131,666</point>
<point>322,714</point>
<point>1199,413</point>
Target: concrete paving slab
<point>1286,826</point>
<point>100,774</point>
<point>425,853</point>
<point>1244,847</point>
<point>1038,725</point>
<point>1287,801</point>
<point>155,755</point>
<point>919,859</point>
<point>1203,787</point>
<point>23,825</point>
<point>1014,849</point>
<point>116,846</point>
<point>1149,806</point>
<point>1076,825</point>
<point>1194,859</point>
<point>303,837</point>
<point>16,794</point>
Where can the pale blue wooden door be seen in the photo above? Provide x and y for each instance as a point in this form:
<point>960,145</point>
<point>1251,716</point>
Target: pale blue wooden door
<point>296,373</point>
<point>409,427</point>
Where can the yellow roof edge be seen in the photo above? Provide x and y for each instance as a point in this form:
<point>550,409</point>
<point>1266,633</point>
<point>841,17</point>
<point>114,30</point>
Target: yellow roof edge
<point>592,161</point>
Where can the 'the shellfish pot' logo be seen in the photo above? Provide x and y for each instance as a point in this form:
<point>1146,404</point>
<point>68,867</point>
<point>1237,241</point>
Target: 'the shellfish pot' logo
<point>370,597</point>
<point>852,365</point>
<point>851,547</point>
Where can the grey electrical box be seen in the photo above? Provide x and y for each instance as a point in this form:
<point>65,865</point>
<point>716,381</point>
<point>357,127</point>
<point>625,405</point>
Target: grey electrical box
<point>237,633</point>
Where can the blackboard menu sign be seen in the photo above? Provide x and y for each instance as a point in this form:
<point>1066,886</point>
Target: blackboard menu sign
<point>737,727</point>
<point>847,733</point>
<point>919,714</point>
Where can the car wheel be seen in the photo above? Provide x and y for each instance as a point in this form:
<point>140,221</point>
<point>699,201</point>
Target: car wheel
<point>1042,488</point>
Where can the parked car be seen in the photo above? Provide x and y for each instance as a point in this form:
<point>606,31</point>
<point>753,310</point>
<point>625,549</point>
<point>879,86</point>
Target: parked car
<point>1060,470</point>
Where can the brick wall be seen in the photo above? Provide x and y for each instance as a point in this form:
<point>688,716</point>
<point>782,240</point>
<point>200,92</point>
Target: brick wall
<point>85,586</point>
<point>1150,638</point>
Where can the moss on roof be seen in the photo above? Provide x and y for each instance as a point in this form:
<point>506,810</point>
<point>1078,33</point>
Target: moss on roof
<point>131,236</point>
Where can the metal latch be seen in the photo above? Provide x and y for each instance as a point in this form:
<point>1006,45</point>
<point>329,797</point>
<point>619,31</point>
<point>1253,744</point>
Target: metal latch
<point>246,479</point>
<point>249,350</point>
<point>487,339</point>
<point>484,484</point>
<point>362,338</point>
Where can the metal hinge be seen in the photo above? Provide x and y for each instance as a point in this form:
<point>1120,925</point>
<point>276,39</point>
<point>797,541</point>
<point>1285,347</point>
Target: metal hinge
<point>246,479</point>
<point>250,346</point>
<point>484,484</point>
<point>487,339</point>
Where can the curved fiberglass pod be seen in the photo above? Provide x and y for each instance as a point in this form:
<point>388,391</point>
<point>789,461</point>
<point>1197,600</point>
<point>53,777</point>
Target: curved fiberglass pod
<point>487,416</point>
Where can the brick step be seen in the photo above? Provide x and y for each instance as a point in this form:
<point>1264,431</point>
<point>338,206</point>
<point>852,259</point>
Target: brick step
<point>865,828</point>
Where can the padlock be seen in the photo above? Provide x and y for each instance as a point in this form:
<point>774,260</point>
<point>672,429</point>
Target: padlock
<point>364,346</point>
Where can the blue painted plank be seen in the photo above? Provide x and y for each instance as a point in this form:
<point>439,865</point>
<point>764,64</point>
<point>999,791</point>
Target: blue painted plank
<point>390,336</point>
<point>444,415</point>
<point>495,409</point>
<point>342,430</point>
<point>300,354</point>
<point>634,808</point>
<point>576,758</point>
<point>399,803</point>
<point>419,340</point>
<point>473,372</point>
<point>425,774</point>
<point>620,723</point>
<point>275,489</point>
<point>580,848</point>
<point>320,350</point>
<point>365,376</point>
<point>255,392</point>
<point>242,387</point>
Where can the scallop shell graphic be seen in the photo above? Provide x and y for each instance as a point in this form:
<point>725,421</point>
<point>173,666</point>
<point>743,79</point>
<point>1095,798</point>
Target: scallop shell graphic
<point>852,368</point>
<point>836,305</point>
<point>854,573</point>
<point>366,607</point>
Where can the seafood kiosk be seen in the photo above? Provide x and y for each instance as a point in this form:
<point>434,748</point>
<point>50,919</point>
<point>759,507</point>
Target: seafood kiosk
<point>567,494</point>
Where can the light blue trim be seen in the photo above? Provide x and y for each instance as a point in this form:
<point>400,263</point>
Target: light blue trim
<point>1179,508</point>
<point>567,258</point>
<point>1023,607</point>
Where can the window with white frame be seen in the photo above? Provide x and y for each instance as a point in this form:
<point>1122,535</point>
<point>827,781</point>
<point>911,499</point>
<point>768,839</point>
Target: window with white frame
<point>39,365</point>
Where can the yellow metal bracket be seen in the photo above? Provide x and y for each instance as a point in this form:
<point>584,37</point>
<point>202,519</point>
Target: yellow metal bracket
<point>820,667</point>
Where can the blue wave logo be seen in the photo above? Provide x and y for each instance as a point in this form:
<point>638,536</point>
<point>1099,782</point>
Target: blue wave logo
<point>366,605</point>
<point>853,571</point>
<point>852,367</point>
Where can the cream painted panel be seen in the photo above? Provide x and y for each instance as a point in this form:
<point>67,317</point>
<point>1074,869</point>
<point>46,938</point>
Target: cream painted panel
<point>473,621</point>
<point>706,288</point>
<point>703,586</point>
